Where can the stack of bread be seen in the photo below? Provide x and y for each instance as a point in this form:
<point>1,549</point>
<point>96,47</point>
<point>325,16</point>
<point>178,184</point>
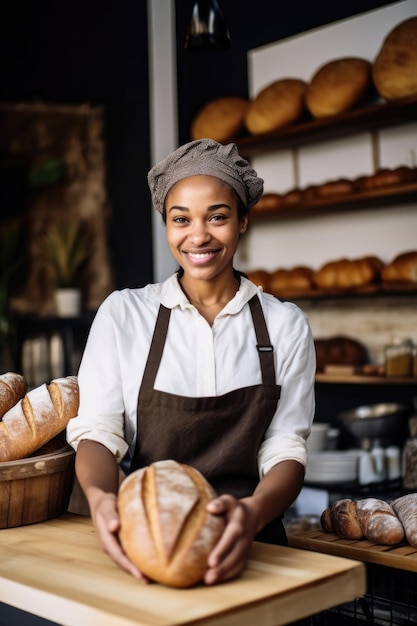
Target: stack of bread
<point>31,419</point>
<point>335,87</point>
<point>378,521</point>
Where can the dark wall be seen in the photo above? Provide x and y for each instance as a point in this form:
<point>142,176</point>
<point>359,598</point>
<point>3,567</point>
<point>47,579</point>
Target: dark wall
<point>203,76</point>
<point>95,52</point>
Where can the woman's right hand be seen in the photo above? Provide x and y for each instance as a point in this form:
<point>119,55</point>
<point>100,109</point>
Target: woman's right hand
<point>107,523</point>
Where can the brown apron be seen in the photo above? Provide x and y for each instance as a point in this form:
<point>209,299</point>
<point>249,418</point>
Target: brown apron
<point>220,436</point>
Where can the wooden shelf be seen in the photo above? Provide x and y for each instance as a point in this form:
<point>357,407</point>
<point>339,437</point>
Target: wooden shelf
<point>359,379</point>
<point>375,116</point>
<point>375,198</point>
<point>367,291</point>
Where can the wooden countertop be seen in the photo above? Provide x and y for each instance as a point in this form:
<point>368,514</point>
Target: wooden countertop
<point>402,556</point>
<point>57,570</point>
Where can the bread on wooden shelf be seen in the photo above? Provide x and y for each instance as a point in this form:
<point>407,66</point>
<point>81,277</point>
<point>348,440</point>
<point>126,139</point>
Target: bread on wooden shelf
<point>394,69</point>
<point>338,85</point>
<point>349,273</point>
<point>220,119</point>
<point>402,269</point>
<point>277,105</point>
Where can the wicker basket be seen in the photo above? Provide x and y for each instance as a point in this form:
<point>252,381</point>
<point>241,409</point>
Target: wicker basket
<point>36,488</point>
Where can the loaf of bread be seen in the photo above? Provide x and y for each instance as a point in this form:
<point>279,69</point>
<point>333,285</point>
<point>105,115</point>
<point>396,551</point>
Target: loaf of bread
<point>386,177</point>
<point>38,417</point>
<point>379,522</point>
<point>345,519</point>
<point>402,269</point>
<point>165,529</point>
<point>349,273</point>
<point>341,187</point>
<point>394,70</point>
<point>12,389</point>
<point>339,350</point>
<point>220,119</point>
<point>276,105</point>
<point>268,202</point>
<point>405,508</point>
<point>326,520</point>
<point>338,86</point>
<point>260,278</point>
<point>294,280</point>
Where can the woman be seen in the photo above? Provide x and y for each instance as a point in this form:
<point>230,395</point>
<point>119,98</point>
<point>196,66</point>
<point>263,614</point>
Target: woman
<point>203,368</point>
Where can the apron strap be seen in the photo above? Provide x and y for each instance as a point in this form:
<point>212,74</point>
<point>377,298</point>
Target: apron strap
<point>264,347</point>
<point>157,347</point>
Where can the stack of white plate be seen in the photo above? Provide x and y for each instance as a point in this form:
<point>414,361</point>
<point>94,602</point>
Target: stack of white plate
<point>339,466</point>
<point>317,438</point>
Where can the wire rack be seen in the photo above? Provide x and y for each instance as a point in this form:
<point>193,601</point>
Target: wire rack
<point>391,599</point>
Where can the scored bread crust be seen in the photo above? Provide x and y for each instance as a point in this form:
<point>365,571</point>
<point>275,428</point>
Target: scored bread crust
<point>12,389</point>
<point>345,520</point>
<point>40,415</point>
<point>379,522</point>
<point>165,529</point>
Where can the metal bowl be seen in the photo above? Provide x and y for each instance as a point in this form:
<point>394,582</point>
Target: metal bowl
<point>384,421</point>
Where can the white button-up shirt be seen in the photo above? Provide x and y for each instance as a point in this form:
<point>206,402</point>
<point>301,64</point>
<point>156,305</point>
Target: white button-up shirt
<point>198,360</point>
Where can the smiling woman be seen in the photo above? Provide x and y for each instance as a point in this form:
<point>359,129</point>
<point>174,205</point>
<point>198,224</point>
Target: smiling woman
<point>192,369</point>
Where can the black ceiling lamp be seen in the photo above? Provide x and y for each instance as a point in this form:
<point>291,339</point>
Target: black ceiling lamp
<point>207,30</point>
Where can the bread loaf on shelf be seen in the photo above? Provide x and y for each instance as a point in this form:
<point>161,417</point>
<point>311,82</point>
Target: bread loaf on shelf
<point>394,70</point>
<point>379,522</point>
<point>339,350</point>
<point>338,86</point>
<point>403,268</point>
<point>294,280</point>
<point>405,508</point>
<point>165,529</point>
<point>12,389</point>
<point>260,278</point>
<point>220,119</point>
<point>349,273</point>
<point>326,520</point>
<point>276,105</point>
<point>38,417</point>
<point>345,519</point>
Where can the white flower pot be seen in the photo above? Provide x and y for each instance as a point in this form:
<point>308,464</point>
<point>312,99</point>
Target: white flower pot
<point>67,302</point>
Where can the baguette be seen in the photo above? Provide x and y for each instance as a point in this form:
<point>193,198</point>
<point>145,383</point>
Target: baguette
<point>405,508</point>
<point>165,529</point>
<point>39,416</point>
<point>345,519</point>
<point>379,522</point>
<point>12,389</point>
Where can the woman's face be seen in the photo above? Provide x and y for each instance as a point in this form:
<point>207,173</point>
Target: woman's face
<point>203,227</point>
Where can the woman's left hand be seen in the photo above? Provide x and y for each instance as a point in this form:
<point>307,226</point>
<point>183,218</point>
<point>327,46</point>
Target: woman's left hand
<point>228,558</point>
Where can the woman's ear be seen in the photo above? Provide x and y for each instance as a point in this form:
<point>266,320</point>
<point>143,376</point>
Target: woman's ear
<point>243,226</point>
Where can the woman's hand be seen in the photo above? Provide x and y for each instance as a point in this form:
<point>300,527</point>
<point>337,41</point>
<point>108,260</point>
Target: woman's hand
<point>107,524</point>
<point>227,560</point>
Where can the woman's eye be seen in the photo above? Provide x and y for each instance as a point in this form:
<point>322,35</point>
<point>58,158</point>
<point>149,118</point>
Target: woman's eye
<point>179,220</point>
<point>217,218</point>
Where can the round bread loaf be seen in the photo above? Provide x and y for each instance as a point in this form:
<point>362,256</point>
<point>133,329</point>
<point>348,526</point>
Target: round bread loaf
<point>295,279</point>
<point>220,119</point>
<point>276,105</point>
<point>345,519</point>
<point>349,273</point>
<point>331,188</point>
<point>338,86</point>
<point>165,529</point>
<point>13,387</point>
<point>268,202</point>
<point>394,70</point>
<point>339,350</point>
<point>260,278</point>
<point>403,268</point>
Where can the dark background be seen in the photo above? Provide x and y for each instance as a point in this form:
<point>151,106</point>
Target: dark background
<point>96,52</point>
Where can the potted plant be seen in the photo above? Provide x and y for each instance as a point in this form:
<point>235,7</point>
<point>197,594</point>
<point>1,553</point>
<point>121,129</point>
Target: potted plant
<point>66,249</point>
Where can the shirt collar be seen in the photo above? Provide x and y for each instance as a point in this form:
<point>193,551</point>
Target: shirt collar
<point>173,296</point>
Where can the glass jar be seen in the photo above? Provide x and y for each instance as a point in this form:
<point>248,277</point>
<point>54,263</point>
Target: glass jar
<point>399,358</point>
<point>410,456</point>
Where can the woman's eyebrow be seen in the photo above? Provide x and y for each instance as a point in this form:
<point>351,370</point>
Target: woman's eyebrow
<point>212,207</point>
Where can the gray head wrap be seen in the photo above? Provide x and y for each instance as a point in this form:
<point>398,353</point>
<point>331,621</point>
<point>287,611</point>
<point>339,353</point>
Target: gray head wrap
<point>205,157</point>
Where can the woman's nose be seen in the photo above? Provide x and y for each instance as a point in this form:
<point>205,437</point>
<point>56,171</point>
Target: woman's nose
<point>200,233</point>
